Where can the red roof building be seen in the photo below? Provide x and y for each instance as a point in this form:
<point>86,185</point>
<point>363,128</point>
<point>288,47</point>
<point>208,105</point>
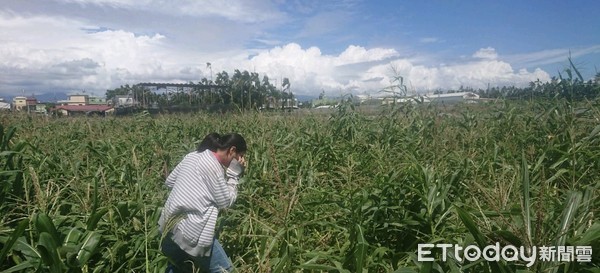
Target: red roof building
<point>31,101</point>
<point>69,110</point>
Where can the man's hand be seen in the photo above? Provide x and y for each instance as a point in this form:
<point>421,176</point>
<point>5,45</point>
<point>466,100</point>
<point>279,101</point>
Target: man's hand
<point>236,167</point>
<point>243,162</point>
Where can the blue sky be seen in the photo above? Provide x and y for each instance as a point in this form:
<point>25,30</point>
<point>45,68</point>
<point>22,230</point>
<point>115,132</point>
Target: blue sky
<point>350,46</point>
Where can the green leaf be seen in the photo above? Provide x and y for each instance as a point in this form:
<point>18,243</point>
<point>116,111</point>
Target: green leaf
<point>526,201</point>
<point>568,213</point>
<point>316,267</point>
<point>595,132</point>
<point>123,209</point>
<point>95,218</point>
<point>557,175</point>
<point>72,237</point>
<point>49,249</point>
<point>28,250</point>
<point>43,223</point>
<point>471,226</point>
<point>574,68</point>
<point>510,237</point>
<point>479,237</point>
<point>360,250</point>
<point>283,261</point>
<point>21,267</point>
<point>14,236</point>
<point>590,236</point>
<point>88,247</point>
<point>404,270</point>
<point>427,267</point>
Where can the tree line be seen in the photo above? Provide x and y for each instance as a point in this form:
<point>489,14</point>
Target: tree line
<point>246,90</point>
<point>570,89</point>
<point>242,90</point>
<point>568,85</point>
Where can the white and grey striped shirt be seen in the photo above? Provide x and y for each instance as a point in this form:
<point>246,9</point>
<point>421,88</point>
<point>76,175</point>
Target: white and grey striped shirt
<point>200,186</point>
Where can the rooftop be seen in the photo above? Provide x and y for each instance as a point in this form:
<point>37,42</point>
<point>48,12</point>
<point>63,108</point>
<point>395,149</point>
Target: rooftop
<point>84,108</point>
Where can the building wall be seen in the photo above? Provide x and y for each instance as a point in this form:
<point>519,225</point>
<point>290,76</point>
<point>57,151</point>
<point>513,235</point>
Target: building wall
<point>273,103</point>
<point>454,97</point>
<point>41,109</point>
<point>82,111</point>
<point>96,101</point>
<point>124,101</point>
<point>20,103</point>
<point>31,104</point>
<point>4,106</point>
<point>78,100</point>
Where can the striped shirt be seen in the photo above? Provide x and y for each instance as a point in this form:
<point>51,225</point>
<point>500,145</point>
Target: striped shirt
<point>200,186</point>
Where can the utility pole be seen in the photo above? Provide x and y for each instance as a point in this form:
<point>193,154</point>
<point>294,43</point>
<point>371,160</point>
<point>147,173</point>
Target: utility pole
<point>210,91</point>
<point>253,85</point>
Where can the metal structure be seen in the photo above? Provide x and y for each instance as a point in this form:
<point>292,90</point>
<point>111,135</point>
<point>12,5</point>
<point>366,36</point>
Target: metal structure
<point>156,85</point>
<point>147,100</point>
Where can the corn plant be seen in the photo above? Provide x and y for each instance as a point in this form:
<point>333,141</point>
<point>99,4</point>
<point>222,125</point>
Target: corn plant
<point>347,191</point>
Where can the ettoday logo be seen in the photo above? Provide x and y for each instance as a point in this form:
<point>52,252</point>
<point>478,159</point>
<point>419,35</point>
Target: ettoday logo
<point>507,253</point>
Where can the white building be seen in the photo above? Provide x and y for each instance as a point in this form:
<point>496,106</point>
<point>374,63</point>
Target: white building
<point>4,105</point>
<point>452,97</point>
<point>123,101</point>
<point>467,97</point>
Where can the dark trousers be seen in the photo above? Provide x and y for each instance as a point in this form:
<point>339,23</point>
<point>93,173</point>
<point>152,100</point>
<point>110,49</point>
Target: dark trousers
<point>181,262</point>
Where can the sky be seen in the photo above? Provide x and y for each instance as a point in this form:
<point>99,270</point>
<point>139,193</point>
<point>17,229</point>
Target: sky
<point>334,46</point>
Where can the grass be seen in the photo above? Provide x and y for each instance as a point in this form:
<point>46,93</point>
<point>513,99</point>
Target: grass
<point>347,191</point>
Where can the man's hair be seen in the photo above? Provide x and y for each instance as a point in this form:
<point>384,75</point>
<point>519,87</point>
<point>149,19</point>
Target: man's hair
<point>215,141</point>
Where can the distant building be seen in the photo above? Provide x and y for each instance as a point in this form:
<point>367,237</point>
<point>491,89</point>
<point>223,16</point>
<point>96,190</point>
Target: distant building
<point>123,101</point>
<point>97,101</point>
<point>82,99</point>
<point>271,103</point>
<point>72,110</point>
<point>275,103</point>
<point>4,106</point>
<point>26,104</point>
<point>31,104</point>
<point>362,98</point>
<point>467,97</point>
<point>452,97</point>
<point>326,102</point>
<point>40,108</point>
<point>19,103</point>
<point>78,99</point>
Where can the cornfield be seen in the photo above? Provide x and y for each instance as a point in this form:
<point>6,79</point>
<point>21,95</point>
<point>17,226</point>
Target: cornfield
<point>346,191</point>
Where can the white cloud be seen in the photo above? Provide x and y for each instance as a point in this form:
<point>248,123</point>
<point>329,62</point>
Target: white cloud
<point>357,54</point>
<point>551,55</point>
<point>476,74</point>
<point>234,10</point>
<point>370,71</point>
<point>47,50</point>
<point>303,67</point>
<point>487,53</point>
<point>46,53</point>
<point>310,71</point>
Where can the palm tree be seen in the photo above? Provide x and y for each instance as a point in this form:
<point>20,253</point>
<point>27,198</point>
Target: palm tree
<point>285,86</point>
<point>223,80</point>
